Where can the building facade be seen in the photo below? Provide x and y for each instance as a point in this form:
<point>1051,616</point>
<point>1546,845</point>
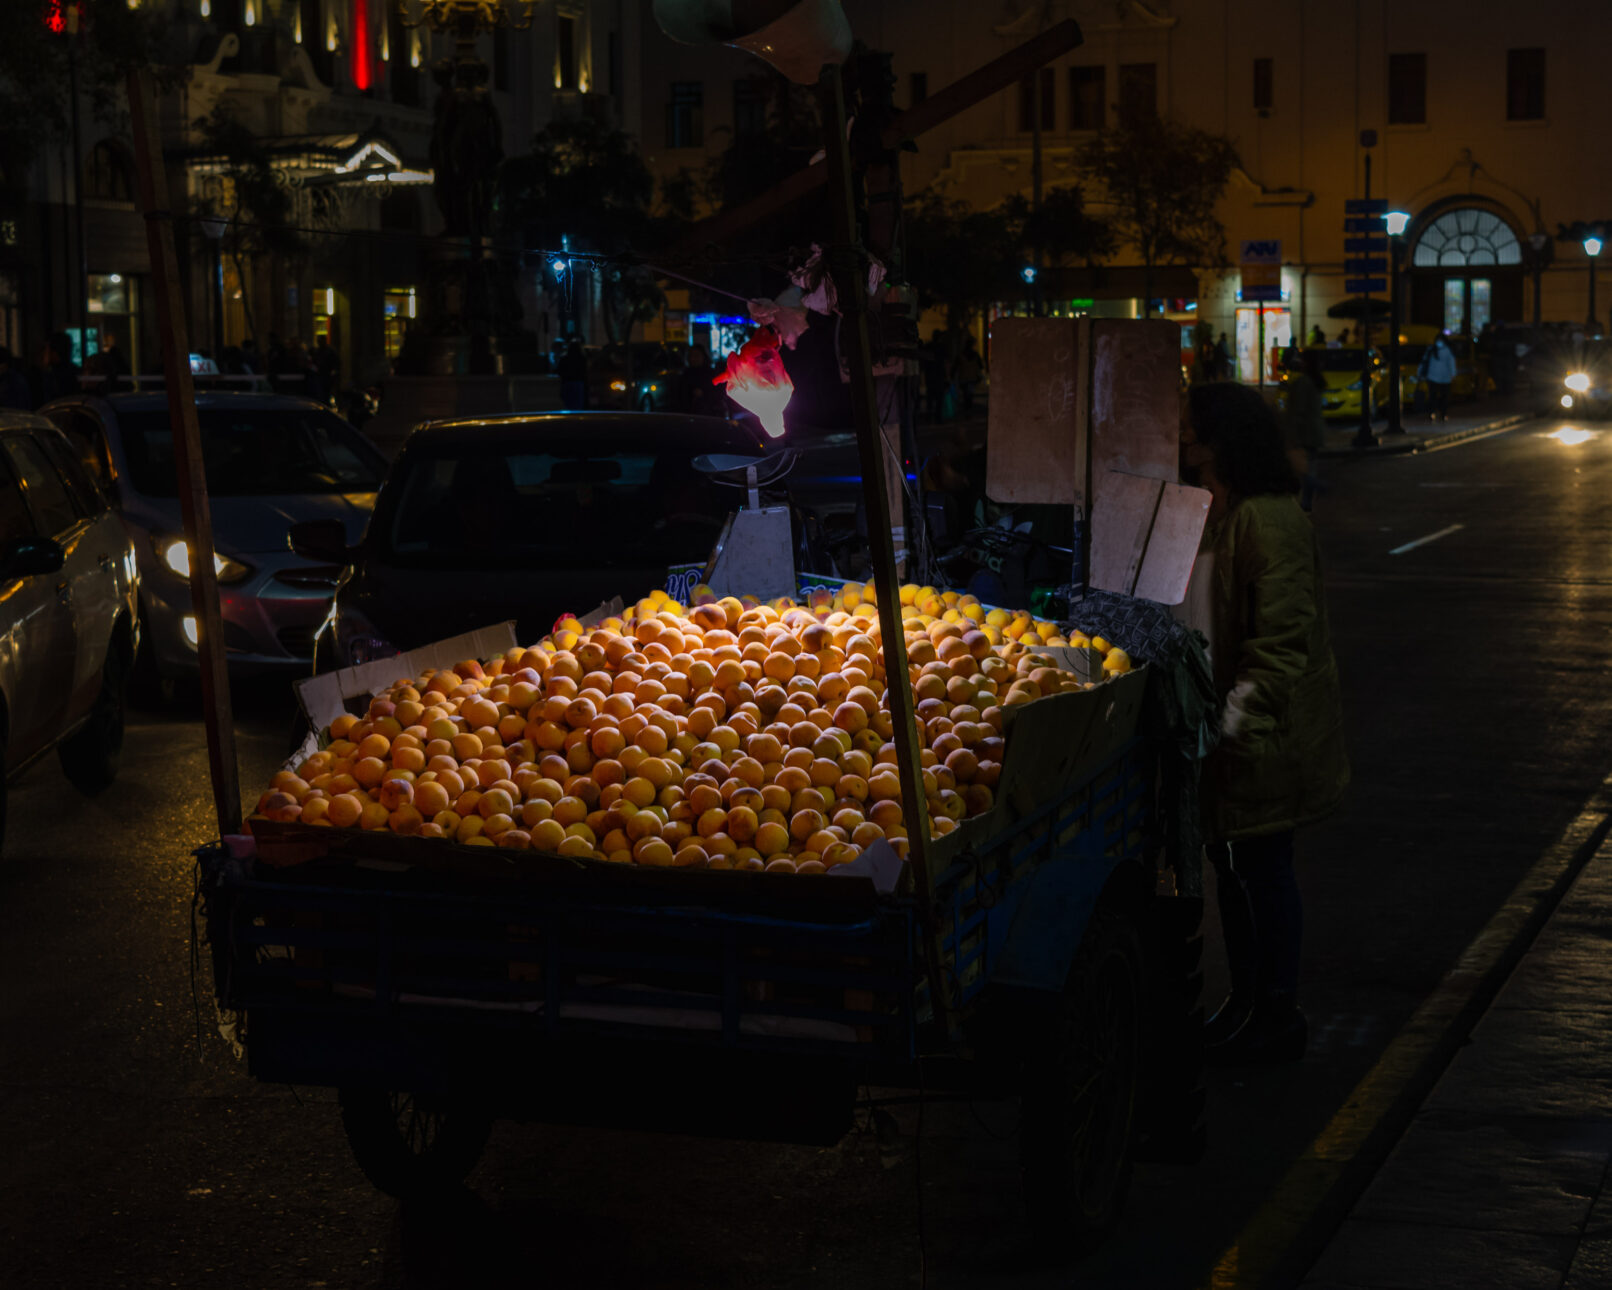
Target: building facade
<point>1485,121</point>
<point>337,96</point>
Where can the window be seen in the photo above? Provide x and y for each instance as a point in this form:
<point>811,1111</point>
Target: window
<point>917,88</point>
<point>1466,238</point>
<point>106,174</point>
<point>15,522</point>
<point>1407,89</point>
<point>86,438</point>
<point>53,511</point>
<point>1264,83</point>
<point>685,115</point>
<point>85,492</point>
<point>1138,92</point>
<point>1030,88</point>
<point>1088,98</point>
<point>403,73</point>
<point>1525,85</point>
<point>565,52</point>
<point>750,106</point>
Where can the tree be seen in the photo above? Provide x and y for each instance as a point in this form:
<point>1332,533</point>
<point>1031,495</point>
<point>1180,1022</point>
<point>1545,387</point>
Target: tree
<point>1161,181</point>
<point>251,193</point>
<point>35,42</point>
<point>1062,228</point>
<point>958,258</point>
<point>585,187</point>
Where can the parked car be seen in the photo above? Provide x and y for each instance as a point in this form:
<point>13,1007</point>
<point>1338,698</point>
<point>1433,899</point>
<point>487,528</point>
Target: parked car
<point>69,624</point>
<point>527,517</point>
<point>272,461</point>
<point>1340,370</point>
<point>1571,376</point>
<point>646,388</point>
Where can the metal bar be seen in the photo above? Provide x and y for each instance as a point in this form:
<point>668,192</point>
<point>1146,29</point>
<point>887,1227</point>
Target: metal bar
<point>850,276</point>
<point>188,464</point>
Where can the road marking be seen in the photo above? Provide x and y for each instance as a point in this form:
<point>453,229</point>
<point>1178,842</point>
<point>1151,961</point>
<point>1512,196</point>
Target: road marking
<point>1423,541</point>
<point>1277,1247</point>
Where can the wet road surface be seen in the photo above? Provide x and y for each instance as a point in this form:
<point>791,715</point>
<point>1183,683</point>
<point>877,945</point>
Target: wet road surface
<point>1474,668</point>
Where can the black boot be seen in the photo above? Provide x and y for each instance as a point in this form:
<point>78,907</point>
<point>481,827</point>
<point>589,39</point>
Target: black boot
<point>1276,1032</point>
<point>1229,1018</point>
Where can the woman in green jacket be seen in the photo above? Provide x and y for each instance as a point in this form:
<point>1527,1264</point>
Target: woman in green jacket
<point>1281,761</point>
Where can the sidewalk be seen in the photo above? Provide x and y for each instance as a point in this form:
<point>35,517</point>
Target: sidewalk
<point>1468,421</point>
<point>1502,1178</point>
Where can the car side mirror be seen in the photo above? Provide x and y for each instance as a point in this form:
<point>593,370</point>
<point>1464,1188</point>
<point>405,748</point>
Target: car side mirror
<point>322,541</point>
<point>29,556</point>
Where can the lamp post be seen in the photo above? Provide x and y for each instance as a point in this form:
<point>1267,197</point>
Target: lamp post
<point>1397,222</point>
<point>1592,248</point>
<point>1540,244</point>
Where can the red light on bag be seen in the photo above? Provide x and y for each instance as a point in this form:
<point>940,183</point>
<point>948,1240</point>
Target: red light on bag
<point>757,381</point>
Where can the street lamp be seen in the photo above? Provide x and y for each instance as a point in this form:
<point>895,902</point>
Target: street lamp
<point>1397,222</point>
<point>1592,248</point>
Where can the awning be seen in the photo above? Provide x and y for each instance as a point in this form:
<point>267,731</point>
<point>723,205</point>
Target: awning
<point>369,158</point>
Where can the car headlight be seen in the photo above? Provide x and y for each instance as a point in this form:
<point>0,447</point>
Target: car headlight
<point>174,553</point>
<point>620,387</point>
<point>357,639</point>
<point>1578,382</point>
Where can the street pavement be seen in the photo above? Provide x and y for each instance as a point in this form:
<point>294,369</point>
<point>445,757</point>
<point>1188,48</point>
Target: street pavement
<point>1471,603</point>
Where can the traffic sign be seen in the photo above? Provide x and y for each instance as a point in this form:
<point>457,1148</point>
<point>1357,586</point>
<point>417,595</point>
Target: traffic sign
<point>1364,245</point>
<point>1365,206</point>
<point>1366,264</point>
<point>1364,286</point>
<point>1365,224</point>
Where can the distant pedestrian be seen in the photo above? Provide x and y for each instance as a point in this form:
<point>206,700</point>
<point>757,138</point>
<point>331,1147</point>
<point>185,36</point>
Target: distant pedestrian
<point>1281,762</point>
<point>1437,368</point>
<point>1318,337</point>
<point>14,391</point>
<point>1222,359</point>
<point>573,370</point>
<point>970,368</point>
<point>327,364</point>
<point>1343,340</point>
<point>1304,428</point>
<point>58,374</point>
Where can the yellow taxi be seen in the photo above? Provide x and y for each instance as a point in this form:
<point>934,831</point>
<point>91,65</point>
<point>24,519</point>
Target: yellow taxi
<point>1340,374</point>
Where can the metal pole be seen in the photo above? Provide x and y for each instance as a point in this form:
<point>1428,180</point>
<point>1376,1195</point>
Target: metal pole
<point>1364,438</point>
<point>1261,346</point>
<point>83,292</point>
<point>218,299</point>
<point>188,465</point>
<point>1395,426</point>
<point>1035,188</point>
<point>1591,319</point>
<point>848,262</point>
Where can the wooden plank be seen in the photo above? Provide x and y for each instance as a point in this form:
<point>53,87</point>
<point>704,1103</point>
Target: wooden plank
<point>152,182</point>
<point>1145,536</point>
<point>1036,449</point>
<point>1173,546</point>
<point>1135,398</point>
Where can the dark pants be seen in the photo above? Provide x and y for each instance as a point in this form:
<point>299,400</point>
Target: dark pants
<point>1438,396</point>
<point>1261,913</point>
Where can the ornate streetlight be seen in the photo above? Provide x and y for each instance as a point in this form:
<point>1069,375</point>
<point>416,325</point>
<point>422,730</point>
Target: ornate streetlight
<point>1396,223</point>
<point>470,305</point>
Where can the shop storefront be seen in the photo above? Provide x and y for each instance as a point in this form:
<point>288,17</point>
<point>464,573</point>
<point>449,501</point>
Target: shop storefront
<point>399,308</point>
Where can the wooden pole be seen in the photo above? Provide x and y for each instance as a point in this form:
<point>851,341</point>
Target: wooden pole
<point>849,265</point>
<point>152,181</point>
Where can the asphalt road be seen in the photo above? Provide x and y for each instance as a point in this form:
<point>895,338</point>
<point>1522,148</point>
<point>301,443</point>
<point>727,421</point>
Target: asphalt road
<point>135,1155</point>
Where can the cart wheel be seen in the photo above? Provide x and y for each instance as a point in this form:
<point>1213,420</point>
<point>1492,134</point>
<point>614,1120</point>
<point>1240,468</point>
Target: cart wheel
<point>406,1146</point>
<point>1079,1122</point>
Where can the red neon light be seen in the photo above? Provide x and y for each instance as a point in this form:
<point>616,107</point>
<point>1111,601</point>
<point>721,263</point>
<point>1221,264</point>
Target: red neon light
<point>363,68</point>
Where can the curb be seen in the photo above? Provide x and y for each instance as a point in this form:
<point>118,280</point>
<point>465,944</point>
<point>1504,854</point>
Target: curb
<point>1282,1240</point>
<point>1398,446</point>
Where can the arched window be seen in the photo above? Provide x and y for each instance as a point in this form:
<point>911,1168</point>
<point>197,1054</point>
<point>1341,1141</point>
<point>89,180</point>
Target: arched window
<point>1466,239</point>
<point>106,174</point>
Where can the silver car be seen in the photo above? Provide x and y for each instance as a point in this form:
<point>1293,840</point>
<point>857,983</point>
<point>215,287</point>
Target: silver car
<point>272,461</point>
<point>68,600</point>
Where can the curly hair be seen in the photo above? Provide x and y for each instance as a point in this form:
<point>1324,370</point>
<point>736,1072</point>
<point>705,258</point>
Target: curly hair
<point>1240,427</point>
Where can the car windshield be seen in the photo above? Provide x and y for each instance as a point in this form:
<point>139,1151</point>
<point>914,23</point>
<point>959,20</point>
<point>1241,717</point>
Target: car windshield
<point>254,452</point>
<point>603,504</point>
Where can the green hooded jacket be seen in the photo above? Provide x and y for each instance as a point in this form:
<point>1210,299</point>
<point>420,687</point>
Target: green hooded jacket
<point>1281,761</point>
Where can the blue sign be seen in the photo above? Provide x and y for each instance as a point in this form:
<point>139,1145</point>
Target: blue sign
<point>1260,293</point>
<point>1365,224</point>
<point>1366,264</point>
<point>1364,286</point>
<point>1365,206</point>
<point>1364,245</point>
